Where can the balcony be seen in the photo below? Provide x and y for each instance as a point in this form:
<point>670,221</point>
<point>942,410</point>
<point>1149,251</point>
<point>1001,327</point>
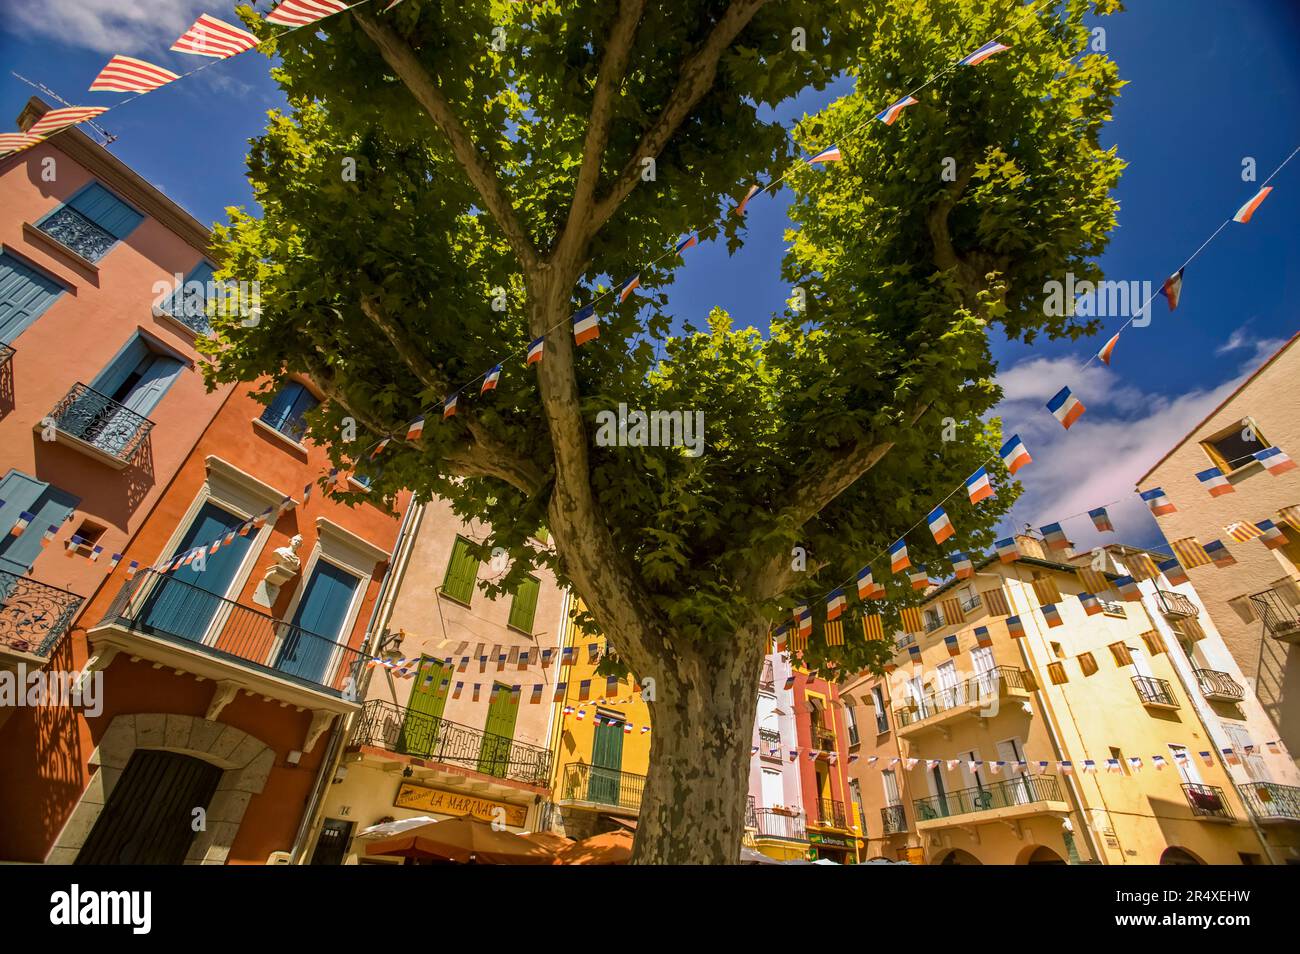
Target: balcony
<point>98,426</point>
<point>591,786</point>
<point>1207,802</point>
<point>980,695</point>
<point>751,818</point>
<point>1176,606</point>
<point>934,620</point>
<point>429,739</point>
<point>767,681</point>
<point>1155,693</point>
<point>1008,799</point>
<point>829,814</point>
<point>778,824</point>
<point>1112,608</point>
<point>768,740</point>
<point>1218,686</point>
<point>171,622</point>
<point>893,820</point>
<point>33,615</point>
<point>1281,616</point>
<point>822,738</point>
<point>1271,803</point>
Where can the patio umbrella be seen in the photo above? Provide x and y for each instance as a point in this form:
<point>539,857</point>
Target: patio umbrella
<point>384,829</point>
<point>611,848</point>
<point>465,840</point>
<point>748,856</point>
<point>548,840</point>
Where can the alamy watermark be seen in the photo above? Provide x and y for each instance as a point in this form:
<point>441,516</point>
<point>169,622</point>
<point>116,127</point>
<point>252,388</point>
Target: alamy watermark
<point>1105,299</point>
<point>638,428</point>
<point>198,300</point>
<point>50,687</point>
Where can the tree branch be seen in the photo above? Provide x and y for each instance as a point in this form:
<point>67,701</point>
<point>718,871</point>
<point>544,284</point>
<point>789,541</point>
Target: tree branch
<point>397,53</point>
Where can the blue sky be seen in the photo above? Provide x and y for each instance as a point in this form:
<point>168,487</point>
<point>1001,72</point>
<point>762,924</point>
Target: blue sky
<point>1210,83</point>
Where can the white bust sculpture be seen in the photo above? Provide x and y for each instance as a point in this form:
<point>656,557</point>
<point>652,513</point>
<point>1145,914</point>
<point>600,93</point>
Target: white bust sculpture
<point>287,563</point>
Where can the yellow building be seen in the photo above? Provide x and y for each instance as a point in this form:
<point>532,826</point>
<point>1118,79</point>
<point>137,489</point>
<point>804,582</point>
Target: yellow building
<point>600,739</point>
<point>1024,725</point>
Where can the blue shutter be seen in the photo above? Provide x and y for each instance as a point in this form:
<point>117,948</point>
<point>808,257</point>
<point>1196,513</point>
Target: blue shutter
<point>19,493</point>
<point>133,354</point>
<point>24,294</point>
<point>319,619</point>
<point>153,384</point>
<point>106,210</point>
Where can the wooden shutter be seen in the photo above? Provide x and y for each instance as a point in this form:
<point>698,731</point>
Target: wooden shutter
<point>1088,663</point>
<point>1122,656</point>
<point>18,493</point>
<point>1191,628</point>
<point>106,210</point>
<point>523,607</point>
<point>24,294</point>
<point>462,573</point>
<point>1056,672</point>
<point>996,601</point>
<point>1154,644</point>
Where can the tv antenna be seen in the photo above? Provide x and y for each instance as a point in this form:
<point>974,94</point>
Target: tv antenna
<point>104,134</point>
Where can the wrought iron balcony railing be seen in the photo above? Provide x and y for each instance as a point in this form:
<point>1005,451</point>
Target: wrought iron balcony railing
<point>1112,607</point>
<point>423,736</point>
<point>73,230</point>
<point>972,604</point>
<point>893,819</point>
<point>934,621</point>
<point>751,819</point>
<point>1023,790</point>
<point>1219,685</point>
<point>6,354</point>
<point>823,738</point>
<point>769,739</point>
<point>1271,802</point>
<point>1175,605</point>
<point>604,786</point>
<point>101,422</point>
<point>767,681</point>
<point>771,823</point>
<point>1280,614</point>
<point>33,615</point>
<point>985,686</point>
<point>1207,801</point>
<point>831,813</point>
<point>1155,692</point>
<point>168,608</point>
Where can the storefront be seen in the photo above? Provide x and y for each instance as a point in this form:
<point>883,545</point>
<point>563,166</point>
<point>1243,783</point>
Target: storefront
<point>833,847</point>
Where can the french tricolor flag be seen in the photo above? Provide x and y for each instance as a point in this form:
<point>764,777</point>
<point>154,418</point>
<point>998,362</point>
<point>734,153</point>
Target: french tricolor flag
<point>1106,350</point>
<point>415,428</point>
<point>21,523</point>
<point>1014,454</point>
<point>1008,552</point>
<point>1275,460</point>
<point>1157,502</point>
<point>1214,481</point>
<point>982,637</point>
<point>831,154</point>
<point>753,191</point>
<point>835,605</point>
<point>535,351</point>
<point>962,566</point>
<point>1246,211</point>
<point>490,382</point>
<point>1054,537</point>
<point>898,558</point>
<point>1065,407</point>
<point>1091,605</point>
<point>920,579</point>
<point>952,645</point>
<point>1220,554</point>
<point>1172,289</point>
<point>1128,589</point>
<point>891,113</point>
<point>586,326</point>
<point>1101,520</point>
<point>1271,535</point>
<point>630,284</point>
<point>48,536</point>
<point>940,525</point>
<point>990,48</point>
<point>803,620</point>
<point>866,585</point>
<point>449,406</point>
<point>689,242</point>
<point>1173,571</point>
<point>978,486</point>
<point>379,449</point>
<point>1052,615</point>
<point>1015,628</point>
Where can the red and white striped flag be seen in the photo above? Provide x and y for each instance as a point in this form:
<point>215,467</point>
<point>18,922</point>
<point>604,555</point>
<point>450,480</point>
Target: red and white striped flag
<point>126,74</point>
<point>57,119</point>
<point>17,142</point>
<point>208,36</point>
<point>295,13</point>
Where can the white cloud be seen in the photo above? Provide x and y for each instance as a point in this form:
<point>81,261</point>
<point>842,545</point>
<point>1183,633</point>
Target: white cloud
<point>109,26</point>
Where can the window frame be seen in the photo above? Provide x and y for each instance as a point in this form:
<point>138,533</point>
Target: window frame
<point>514,602</point>
<point>1216,457</point>
<point>447,575</point>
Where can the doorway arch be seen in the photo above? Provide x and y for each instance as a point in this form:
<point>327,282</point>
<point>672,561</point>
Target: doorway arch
<point>959,857</point>
<point>1039,855</point>
<point>1173,855</point>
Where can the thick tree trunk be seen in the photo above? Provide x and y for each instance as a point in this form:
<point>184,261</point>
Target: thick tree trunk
<point>693,808</point>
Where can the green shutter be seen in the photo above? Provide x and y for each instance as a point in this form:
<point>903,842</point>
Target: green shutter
<point>462,573</point>
<point>523,609</point>
<point>494,752</point>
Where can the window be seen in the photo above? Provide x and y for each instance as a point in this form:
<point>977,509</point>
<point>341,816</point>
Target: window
<point>890,782</point>
<point>1088,663</point>
<point>1235,446</point>
<point>462,573</point>
<point>287,409</point>
<point>24,294</point>
<point>42,505</point>
<point>882,715</point>
<point>851,720</point>
<point>523,608</point>
<point>91,222</point>
<point>188,304</point>
<point>138,377</point>
<point>1056,673</point>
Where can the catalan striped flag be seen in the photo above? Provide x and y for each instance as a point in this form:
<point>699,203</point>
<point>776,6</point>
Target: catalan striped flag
<point>978,486</point>
<point>1271,535</point>
<point>982,637</point>
<point>898,558</point>
<point>1219,553</point>
<point>689,242</point>
<point>1054,537</point>
<point>962,566</point>
<point>1101,520</point>
<point>991,48</point>
<point>1173,571</point>
<point>829,154</point>
<point>835,605</point>
<point>629,285</point>
<point>1158,503</point>
<point>950,643</point>
<point>890,114</point>
<point>919,578</point>
<point>1052,615</point>
<point>17,142</point>
<point>867,588</point>
<point>415,428</point>
<point>1014,454</point>
<point>1094,581</point>
<point>1275,460</point>
<point>490,382</point>
<point>57,119</point>
<point>1065,407</point>
<point>872,627</point>
<point>1172,289</point>
<point>753,191</point>
<point>911,620</point>
<point>1243,531</point>
<point>1246,211</point>
<point>940,525</point>
<point>586,326</point>
<point>296,13</point>
<point>1107,350</point>
<point>1190,553</point>
<point>535,350</point>
<point>1128,589</point>
<point>1212,479</point>
<point>126,74</point>
<point>1008,552</point>
<point>1091,605</point>
<point>208,36</point>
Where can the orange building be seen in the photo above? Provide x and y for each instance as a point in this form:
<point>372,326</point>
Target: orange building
<point>833,816</point>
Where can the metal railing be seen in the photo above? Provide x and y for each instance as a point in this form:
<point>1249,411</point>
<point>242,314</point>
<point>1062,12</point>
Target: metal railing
<point>1176,605</point>
<point>830,812</point>
<point>101,422</point>
<point>767,681</point>
<point>822,738</point>
<point>971,604</point>
<point>164,606</point>
<point>1281,617</point>
<point>1269,801</point>
<point>6,353</point>
<point>1155,692</point>
<point>751,820</point>
<point>33,615</point>
<point>73,230</point>
<point>1024,790</point>
<point>773,824</point>
<point>934,621</point>
<point>893,819</point>
<point>1112,607</point>
<point>984,686</point>
<point>1220,685</point>
<point>1207,801</point>
<point>591,783</point>
<point>423,736</point>
<point>769,739</point>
